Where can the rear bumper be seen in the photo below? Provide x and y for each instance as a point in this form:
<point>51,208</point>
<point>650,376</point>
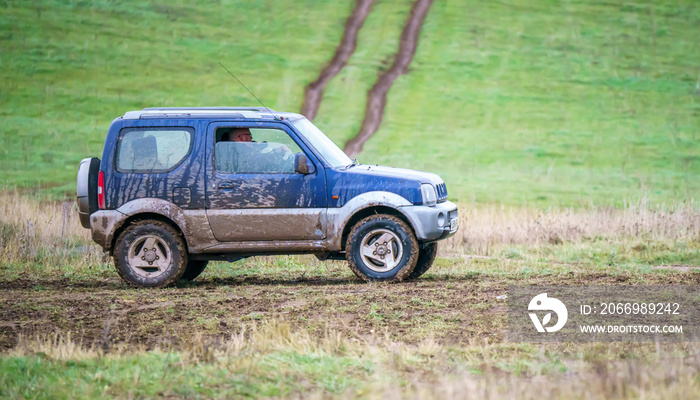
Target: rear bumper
<point>103,224</point>
<point>432,223</point>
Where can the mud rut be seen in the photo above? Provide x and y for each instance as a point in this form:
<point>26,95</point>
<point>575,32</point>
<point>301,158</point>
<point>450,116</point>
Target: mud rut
<point>314,91</point>
<point>377,96</point>
<point>105,313</point>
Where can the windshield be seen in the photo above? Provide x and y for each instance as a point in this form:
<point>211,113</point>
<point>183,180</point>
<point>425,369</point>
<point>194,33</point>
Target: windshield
<point>329,151</point>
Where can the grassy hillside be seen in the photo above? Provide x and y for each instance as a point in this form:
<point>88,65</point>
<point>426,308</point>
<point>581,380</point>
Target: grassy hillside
<point>538,102</point>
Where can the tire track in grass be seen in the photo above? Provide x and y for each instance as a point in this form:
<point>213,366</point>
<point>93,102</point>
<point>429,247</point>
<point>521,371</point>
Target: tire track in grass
<point>314,90</point>
<point>376,97</point>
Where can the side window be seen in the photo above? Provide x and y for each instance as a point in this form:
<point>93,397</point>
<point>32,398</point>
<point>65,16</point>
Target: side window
<point>153,150</point>
<point>255,151</point>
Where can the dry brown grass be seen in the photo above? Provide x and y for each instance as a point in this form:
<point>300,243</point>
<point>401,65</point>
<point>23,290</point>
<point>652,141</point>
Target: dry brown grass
<point>32,231</point>
<point>669,378</point>
<point>50,234</point>
<point>483,228</point>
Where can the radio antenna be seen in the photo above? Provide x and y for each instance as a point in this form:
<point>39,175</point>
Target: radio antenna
<point>251,93</point>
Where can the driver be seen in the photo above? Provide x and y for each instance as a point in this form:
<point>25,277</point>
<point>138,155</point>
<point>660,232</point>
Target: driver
<point>237,135</point>
<point>276,157</point>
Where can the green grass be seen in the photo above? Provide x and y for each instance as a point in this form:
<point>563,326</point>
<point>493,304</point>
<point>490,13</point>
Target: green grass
<point>322,368</point>
<point>540,102</point>
<point>157,374</point>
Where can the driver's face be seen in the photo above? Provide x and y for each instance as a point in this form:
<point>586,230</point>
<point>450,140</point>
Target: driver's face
<point>241,135</point>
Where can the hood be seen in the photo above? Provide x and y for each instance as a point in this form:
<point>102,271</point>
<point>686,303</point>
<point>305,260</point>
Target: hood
<point>400,173</point>
<point>346,183</point>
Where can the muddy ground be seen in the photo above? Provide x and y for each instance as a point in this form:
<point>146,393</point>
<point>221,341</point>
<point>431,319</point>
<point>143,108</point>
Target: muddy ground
<point>106,313</point>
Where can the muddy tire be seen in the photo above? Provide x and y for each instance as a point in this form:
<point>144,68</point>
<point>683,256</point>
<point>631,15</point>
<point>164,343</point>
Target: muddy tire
<point>150,254</point>
<point>382,247</point>
<point>194,269</point>
<point>426,256</point>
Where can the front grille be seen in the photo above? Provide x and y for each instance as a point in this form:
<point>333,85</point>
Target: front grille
<point>441,192</point>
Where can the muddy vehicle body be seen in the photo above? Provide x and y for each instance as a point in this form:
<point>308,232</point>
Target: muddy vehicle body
<point>173,191</point>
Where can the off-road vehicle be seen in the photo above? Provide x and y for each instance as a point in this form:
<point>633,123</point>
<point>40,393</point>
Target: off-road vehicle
<point>175,189</point>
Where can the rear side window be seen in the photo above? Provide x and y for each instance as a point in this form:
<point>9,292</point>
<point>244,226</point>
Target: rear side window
<point>153,150</point>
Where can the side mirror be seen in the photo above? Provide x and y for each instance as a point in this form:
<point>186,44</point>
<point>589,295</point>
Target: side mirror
<point>302,164</point>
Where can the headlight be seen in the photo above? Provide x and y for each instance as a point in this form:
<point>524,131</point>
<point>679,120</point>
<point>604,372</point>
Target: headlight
<point>428,194</point>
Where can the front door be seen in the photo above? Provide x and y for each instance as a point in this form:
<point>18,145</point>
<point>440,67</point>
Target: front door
<point>253,193</point>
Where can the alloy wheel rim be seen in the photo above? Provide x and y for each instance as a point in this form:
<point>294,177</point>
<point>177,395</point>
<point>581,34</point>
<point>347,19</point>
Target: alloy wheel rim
<point>149,256</point>
<point>381,250</point>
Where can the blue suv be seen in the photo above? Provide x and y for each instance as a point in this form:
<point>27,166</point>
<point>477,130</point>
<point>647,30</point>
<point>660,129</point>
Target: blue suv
<point>177,187</point>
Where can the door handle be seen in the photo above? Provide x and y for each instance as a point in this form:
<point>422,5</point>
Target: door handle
<point>225,185</point>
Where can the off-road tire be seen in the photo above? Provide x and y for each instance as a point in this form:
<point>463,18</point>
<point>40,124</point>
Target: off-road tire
<point>426,256</point>
<point>194,269</point>
<point>379,224</point>
<point>167,238</point>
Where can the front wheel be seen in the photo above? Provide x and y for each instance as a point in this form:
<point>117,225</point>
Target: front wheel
<point>150,253</point>
<point>382,247</point>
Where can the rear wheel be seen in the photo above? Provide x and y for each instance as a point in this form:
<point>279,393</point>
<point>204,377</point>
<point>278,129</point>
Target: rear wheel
<point>382,248</point>
<point>426,256</point>
<point>194,269</point>
<point>150,254</point>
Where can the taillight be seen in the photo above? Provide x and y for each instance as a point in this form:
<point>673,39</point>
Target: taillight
<point>101,191</point>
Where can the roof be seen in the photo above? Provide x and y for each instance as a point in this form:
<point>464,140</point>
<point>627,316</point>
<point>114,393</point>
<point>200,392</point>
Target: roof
<point>208,112</point>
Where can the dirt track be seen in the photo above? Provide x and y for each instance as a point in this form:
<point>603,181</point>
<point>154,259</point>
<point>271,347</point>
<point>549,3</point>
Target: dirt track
<point>100,313</point>
<point>347,46</point>
<point>376,97</point>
